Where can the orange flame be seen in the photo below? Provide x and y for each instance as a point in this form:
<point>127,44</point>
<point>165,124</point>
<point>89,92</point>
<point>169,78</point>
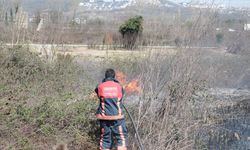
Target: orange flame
<point>130,87</point>
<point>133,86</point>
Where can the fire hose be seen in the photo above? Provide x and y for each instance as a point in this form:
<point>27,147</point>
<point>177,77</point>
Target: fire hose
<point>136,131</point>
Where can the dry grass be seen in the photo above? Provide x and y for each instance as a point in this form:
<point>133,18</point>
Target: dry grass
<point>43,103</point>
<point>175,109</point>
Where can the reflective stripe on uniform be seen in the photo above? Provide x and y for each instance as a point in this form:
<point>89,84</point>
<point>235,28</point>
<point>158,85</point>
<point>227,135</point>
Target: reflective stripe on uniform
<point>119,107</point>
<point>101,140</point>
<point>121,148</point>
<point>103,106</point>
<point>104,117</point>
<point>122,136</point>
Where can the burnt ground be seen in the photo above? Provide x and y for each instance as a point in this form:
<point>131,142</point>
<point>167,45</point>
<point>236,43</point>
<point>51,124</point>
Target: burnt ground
<point>230,129</point>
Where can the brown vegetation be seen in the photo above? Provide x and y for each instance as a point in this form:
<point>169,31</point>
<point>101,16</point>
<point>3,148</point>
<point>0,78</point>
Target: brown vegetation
<point>46,101</point>
<point>182,28</point>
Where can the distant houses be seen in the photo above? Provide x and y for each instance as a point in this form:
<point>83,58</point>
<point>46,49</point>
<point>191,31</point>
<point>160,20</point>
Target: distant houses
<point>247,27</point>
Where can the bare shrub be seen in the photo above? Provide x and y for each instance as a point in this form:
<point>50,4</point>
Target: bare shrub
<point>166,110</point>
<point>237,43</point>
<point>175,110</point>
<point>167,113</point>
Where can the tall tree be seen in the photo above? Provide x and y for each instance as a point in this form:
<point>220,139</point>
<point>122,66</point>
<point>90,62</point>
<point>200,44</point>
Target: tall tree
<point>130,31</point>
<point>16,9</point>
<point>11,15</point>
<point>6,18</point>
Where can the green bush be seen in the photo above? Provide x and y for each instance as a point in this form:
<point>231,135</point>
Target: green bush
<point>130,31</point>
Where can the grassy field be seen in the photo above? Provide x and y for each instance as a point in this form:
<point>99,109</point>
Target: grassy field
<point>45,102</point>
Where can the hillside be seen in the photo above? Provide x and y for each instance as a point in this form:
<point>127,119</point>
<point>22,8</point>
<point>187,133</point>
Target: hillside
<point>66,5</point>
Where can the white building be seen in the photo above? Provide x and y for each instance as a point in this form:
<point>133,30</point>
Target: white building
<point>231,30</point>
<point>81,4</point>
<point>247,27</point>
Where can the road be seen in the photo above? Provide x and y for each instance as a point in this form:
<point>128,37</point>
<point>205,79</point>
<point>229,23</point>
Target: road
<point>100,50</point>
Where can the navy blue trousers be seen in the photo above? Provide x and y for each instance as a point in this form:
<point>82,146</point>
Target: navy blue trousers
<point>116,128</point>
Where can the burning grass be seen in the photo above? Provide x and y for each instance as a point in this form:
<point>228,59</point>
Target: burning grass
<point>171,112</point>
<point>132,86</point>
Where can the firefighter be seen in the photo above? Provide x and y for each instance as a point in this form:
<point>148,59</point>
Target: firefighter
<point>110,112</point>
